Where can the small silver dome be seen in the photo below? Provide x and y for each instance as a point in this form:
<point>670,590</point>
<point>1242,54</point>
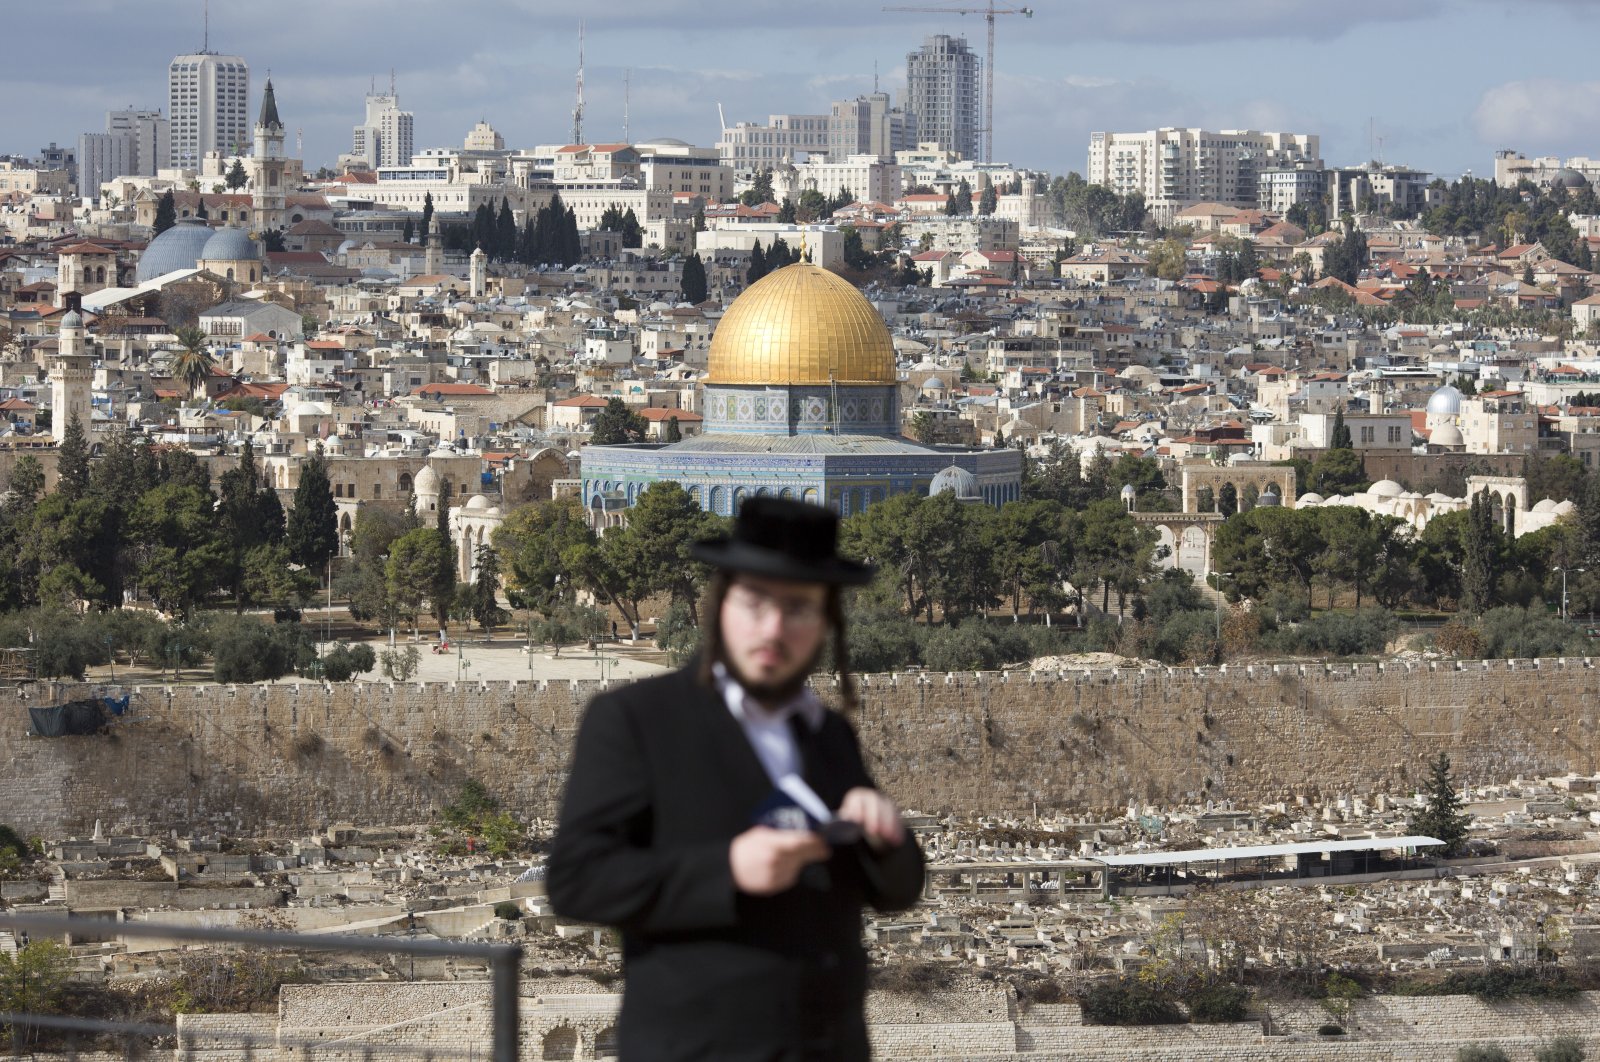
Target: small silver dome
<point>956,480</point>
<point>73,319</point>
<point>1446,401</point>
<point>230,245</point>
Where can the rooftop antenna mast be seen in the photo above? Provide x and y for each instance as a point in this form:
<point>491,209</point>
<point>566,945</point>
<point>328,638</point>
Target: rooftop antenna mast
<point>627,85</point>
<point>205,38</point>
<point>577,110</point>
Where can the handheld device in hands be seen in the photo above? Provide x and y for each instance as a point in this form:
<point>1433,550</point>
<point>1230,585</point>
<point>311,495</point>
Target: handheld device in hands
<point>793,805</point>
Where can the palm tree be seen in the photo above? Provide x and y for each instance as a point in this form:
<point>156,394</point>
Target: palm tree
<point>193,363</point>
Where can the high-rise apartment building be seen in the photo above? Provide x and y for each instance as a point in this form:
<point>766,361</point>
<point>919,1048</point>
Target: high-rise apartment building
<point>943,95</point>
<point>867,125</point>
<point>384,139</point>
<point>135,144</point>
<point>1177,168</point>
<point>149,136</point>
<point>208,99</point>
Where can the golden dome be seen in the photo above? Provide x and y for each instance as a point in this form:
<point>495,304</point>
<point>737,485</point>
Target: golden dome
<point>801,325</point>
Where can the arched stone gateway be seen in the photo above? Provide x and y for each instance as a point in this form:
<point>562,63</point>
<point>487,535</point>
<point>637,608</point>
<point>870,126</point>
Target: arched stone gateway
<point>1184,539</point>
<point>1508,498</point>
<point>1197,477</point>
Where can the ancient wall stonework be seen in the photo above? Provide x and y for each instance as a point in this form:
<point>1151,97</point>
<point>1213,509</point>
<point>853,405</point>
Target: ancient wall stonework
<point>258,759</point>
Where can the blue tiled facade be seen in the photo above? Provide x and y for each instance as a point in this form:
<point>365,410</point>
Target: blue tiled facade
<point>846,472</point>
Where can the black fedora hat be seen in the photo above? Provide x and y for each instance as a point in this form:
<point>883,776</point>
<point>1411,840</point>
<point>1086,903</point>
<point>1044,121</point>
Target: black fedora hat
<point>784,539</point>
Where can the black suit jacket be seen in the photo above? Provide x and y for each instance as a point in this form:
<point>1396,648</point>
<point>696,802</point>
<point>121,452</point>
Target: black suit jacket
<point>662,780</point>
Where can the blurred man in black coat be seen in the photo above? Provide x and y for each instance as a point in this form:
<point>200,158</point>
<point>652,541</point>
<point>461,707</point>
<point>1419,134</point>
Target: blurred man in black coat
<point>723,819</point>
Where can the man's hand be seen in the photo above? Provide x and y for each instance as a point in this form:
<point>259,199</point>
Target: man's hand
<point>766,862</point>
<point>876,814</point>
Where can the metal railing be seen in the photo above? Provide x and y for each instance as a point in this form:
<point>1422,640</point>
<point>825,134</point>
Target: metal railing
<point>502,959</point>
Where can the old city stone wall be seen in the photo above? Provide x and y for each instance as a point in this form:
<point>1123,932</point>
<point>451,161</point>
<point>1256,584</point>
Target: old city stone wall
<point>254,759</point>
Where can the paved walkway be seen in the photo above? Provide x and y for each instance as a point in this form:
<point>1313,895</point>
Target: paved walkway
<point>506,659</point>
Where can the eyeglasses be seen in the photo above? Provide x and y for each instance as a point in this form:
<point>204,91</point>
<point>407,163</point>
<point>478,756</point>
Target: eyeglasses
<point>759,607</point>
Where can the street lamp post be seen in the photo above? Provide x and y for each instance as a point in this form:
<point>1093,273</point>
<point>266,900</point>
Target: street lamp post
<point>1219,576</point>
<point>1563,572</point>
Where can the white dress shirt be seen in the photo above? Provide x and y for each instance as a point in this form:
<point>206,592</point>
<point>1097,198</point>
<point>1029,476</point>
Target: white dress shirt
<point>767,729</point>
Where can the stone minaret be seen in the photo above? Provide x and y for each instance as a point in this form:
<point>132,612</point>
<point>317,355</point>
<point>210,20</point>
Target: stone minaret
<point>71,377</point>
<point>479,273</point>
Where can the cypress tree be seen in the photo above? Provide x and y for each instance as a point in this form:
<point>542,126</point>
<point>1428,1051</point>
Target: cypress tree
<point>1443,819</point>
<point>408,233</point>
<point>166,212</point>
<point>572,243</point>
<point>427,216</point>
<point>758,265</point>
<point>694,279</point>
<point>72,461</point>
<point>312,530</point>
<point>1341,438</point>
<point>505,235</point>
<point>444,579</point>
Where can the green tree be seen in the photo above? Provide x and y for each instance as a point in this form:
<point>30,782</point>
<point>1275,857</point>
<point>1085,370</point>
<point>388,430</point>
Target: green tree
<point>1168,260</point>
<point>312,530</point>
<point>924,428</point>
<point>1443,818</point>
<point>616,424</point>
<point>674,433</point>
<point>537,541</point>
<point>166,212</point>
<point>194,361</point>
<point>237,178</point>
<point>1480,557</point>
<point>486,610</point>
<point>987,199</point>
<point>249,515</point>
<point>757,267</point>
<point>652,554</point>
<point>1341,438</point>
<point>1112,551</point>
<point>1033,553</point>
<point>34,981</point>
<point>426,226</point>
<point>693,283</point>
<point>760,190</point>
<point>1337,472</point>
<point>788,213</point>
<point>412,569</point>
<point>172,533</point>
<point>964,197</point>
<point>442,590</point>
<point>72,461</point>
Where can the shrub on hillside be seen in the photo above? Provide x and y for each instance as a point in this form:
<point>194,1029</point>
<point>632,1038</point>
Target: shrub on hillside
<point>1482,1053</point>
<point>1561,1049</point>
<point>1361,633</point>
<point>1128,1001</point>
<point>1217,1003</point>
<point>1524,633</point>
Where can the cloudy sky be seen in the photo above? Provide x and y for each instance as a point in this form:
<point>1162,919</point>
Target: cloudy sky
<point>1436,84</point>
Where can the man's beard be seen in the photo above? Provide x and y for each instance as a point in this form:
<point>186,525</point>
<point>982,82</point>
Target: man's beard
<point>772,694</point>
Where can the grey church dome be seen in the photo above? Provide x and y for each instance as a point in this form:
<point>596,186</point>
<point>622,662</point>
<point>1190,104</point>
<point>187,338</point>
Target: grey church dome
<point>230,245</point>
<point>177,248</point>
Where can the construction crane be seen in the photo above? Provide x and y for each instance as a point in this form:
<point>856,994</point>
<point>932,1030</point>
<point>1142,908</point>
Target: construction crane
<point>988,14</point>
